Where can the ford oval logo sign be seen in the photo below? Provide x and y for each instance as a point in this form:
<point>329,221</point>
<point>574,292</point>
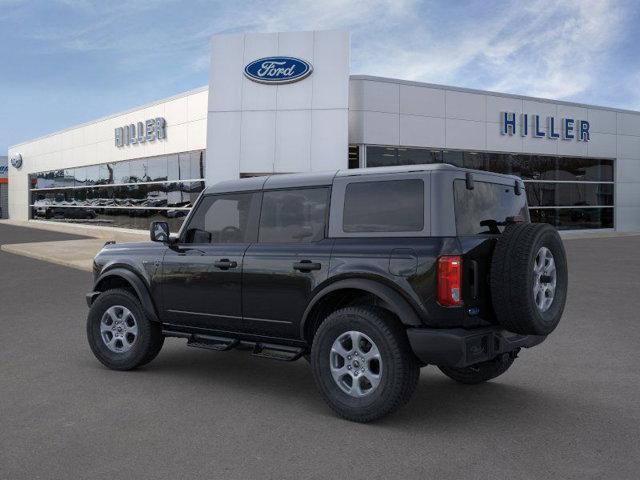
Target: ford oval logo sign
<point>16,160</point>
<point>278,70</point>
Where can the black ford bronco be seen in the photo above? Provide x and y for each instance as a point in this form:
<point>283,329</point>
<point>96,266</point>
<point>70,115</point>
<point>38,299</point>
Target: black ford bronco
<point>369,274</point>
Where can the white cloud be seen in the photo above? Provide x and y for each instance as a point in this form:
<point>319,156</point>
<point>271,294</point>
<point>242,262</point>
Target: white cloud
<point>541,48</point>
<point>561,53</point>
<point>545,49</point>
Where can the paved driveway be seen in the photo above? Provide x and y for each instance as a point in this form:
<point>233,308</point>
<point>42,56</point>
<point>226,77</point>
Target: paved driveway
<point>567,409</point>
<point>12,234</point>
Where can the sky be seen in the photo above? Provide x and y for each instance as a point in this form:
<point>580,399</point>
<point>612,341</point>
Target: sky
<point>65,62</point>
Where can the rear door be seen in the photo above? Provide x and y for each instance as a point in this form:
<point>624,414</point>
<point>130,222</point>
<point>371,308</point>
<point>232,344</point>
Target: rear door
<point>289,260</point>
<point>481,213</point>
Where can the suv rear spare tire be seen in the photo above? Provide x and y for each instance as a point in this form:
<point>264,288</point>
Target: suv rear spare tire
<point>529,278</point>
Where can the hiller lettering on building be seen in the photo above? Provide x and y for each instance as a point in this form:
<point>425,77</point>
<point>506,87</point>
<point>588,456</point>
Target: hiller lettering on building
<point>525,124</point>
<point>147,131</point>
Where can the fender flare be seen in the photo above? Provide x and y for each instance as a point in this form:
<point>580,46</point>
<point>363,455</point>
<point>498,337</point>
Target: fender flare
<point>137,284</point>
<point>396,302</point>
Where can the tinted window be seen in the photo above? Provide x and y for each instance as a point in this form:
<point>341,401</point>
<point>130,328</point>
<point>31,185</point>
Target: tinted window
<point>105,174</point>
<point>588,169</point>
<point>92,174</point>
<point>382,156</point>
<point>452,158</point>
<point>294,215</point>
<point>228,218</point>
<point>157,169</point>
<point>535,167</point>
<point>416,156</point>
<point>138,170</point>
<point>121,172</point>
<point>486,202</point>
<point>574,218</point>
<point>402,208</point>
<point>493,162</point>
<point>548,194</point>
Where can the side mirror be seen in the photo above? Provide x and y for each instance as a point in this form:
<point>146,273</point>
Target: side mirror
<point>159,232</point>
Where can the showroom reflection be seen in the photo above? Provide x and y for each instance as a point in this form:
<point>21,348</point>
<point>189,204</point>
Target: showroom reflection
<point>130,193</point>
<point>567,192</point>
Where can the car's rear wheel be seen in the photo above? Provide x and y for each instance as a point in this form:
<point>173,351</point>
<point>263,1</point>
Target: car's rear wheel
<point>481,372</point>
<point>363,364</point>
<point>120,334</point>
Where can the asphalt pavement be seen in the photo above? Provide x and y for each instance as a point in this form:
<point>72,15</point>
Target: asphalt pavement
<point>567,409</point>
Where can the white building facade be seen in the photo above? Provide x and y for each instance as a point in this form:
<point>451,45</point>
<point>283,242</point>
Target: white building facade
<point>286,102</point>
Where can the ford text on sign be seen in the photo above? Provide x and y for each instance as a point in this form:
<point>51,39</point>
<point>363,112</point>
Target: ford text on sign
<point>278,70</point>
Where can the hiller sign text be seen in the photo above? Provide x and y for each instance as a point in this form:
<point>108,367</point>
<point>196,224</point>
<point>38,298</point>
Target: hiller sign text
<point>550,127</point>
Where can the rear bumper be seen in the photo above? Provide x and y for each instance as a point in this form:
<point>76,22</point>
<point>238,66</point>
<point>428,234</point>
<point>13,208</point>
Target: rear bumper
<point>457,347</point>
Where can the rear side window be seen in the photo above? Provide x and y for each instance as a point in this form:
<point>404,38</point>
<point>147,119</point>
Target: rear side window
<point>477,209</point>
<point>296,216</point>
<point>384,206</point>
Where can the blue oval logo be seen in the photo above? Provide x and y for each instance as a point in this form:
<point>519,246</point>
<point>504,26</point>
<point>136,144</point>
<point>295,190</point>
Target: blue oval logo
<point>278,70</point>
<point>16,160</point>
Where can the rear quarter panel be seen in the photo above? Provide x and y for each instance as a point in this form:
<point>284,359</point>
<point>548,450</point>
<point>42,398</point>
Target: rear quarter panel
<point>389,261</point>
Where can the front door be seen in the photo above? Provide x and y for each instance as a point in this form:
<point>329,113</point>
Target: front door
<point>202,273</point>
<point>290,259</point>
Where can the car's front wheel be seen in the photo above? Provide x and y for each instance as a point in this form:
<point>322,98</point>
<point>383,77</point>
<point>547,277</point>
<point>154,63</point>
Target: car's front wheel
<point>119,333</point>
<point>363,364</point>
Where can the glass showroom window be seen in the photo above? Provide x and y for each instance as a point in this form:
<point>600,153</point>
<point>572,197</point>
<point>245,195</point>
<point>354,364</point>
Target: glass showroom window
<point>130,193</point>
<point>567,192</point>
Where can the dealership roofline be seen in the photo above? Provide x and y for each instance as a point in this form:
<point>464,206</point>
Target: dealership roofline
<point>117,114</point>
<point>351,77</point>
<point>489,92</point>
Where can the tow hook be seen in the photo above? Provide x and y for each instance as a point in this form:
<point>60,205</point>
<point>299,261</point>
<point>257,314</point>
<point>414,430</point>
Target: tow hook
<point>514,353</point>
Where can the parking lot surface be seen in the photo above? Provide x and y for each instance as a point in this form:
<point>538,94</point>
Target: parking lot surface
<point>566,409</point>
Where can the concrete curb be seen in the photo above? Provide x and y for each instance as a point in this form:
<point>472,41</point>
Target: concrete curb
<point>105,233</point>
<point>34,250</point>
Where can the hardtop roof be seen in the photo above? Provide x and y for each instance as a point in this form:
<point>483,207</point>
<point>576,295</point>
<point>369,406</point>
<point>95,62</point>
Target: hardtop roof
<point>317,179</point>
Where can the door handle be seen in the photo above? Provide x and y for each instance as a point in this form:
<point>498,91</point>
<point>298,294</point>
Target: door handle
<point>306,266</point>
<point>225,264</point>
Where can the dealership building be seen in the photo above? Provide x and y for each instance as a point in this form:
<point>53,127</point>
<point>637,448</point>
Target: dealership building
<point>4,187</point>
<point>286,102</point>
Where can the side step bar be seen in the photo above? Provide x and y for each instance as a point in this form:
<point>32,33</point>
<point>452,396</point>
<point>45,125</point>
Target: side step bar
<point>277,352</point>
<point>212,343</point>
<point>259,349</point>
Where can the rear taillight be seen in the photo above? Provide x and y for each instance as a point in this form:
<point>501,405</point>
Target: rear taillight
<point>449,281</point>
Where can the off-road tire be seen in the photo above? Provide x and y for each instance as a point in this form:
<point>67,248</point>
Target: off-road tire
<point>400,370</point>
<point>512,277</point>
<point>149,340</point>
<point>480,372</point>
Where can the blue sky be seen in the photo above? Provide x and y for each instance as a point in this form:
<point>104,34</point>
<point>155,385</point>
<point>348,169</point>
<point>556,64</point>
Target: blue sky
<point>64,62</point>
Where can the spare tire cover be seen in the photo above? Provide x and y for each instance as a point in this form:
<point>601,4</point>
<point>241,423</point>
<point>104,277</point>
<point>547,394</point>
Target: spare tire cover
<point>528,278</point>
